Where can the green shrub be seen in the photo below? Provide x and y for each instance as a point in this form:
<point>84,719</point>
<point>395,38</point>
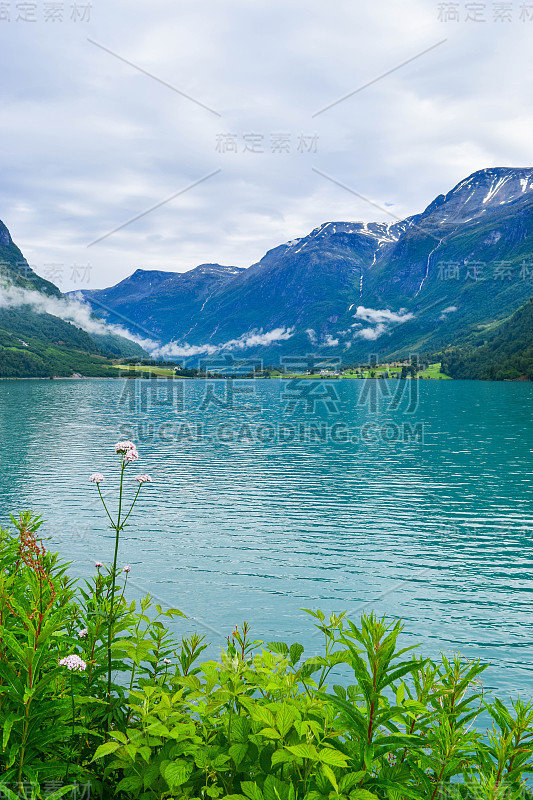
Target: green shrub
<point>260,723</point>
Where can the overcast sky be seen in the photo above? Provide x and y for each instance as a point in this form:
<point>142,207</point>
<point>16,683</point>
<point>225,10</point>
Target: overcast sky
<point>90,142</point>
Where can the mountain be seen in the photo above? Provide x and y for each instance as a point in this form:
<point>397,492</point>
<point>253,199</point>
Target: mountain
<point>15,270</point>
<point>353,289</point>
<point>37,343</point>
<point>504,351</point>
<point>160,304</point>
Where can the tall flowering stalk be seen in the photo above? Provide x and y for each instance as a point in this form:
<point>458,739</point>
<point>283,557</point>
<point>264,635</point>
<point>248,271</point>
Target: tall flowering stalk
<point>128,455</point>
<point>74,664</point>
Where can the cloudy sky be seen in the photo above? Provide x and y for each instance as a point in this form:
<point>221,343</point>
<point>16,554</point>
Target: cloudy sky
<point>227,122</point>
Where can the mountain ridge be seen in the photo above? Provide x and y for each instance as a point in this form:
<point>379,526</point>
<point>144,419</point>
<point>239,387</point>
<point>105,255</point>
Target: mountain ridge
<point>353,288</point>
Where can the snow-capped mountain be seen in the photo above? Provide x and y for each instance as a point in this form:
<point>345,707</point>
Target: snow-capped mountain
<point>352,288</point>
<point>480,194</point>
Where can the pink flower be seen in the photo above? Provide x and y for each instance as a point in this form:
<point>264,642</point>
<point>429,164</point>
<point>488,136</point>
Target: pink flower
<point>83,634</point>
<point>127,570</point>
<point>124,447</point>
<point>143,479</point>
<point>96,477</point>
<point>167,661</point>
<point>98,564</point>
<point>73,663</point>
<point>131,456</point>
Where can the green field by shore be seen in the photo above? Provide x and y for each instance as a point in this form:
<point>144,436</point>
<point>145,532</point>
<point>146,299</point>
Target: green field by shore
<point>432,372</point>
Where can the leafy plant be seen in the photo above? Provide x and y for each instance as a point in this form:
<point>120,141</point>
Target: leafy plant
<point>97,690</point>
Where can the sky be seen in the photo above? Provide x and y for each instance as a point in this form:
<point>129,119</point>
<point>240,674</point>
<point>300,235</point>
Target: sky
<point>164,134</point>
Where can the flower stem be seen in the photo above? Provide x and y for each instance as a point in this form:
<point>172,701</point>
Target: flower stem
<point>117,528</point>
<point>104,505</point>
<point>131,509</point>
<point>72,737</point>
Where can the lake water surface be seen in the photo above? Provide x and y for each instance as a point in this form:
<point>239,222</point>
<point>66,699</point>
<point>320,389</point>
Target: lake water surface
<point>252,515</point>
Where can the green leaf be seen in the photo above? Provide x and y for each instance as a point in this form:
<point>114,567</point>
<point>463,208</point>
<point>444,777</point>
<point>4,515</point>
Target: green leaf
<point>348,781</point>
<point>220,761</point>
<point>316,614</point>
<point>251,790</point>
<point>158,729</point>
<point>61,792</point>
<point>263,715</point>
<point>333,757</point>
<point>175,612</point>
<point>350,711</point>
<point>403,669</point>
<point>8,724</point>
<point>340,657</point>
<point>270,733</point>
<point>330,775</point>
<point>130,784</point>
<point>238,752</point>
<point>281,757</point>
<point>311,665</point>
<point>304,751</point>
<point>240,729</point>
<point>7,793</point>
<point>296,652</point>
<point>275,789</point>
<point>279,647</point>
<point>150,775</point>
<point>106,749</point>
<point>285,717</point>
<point>363,794</point>
<point>177,773</point>
<point>120,736</point>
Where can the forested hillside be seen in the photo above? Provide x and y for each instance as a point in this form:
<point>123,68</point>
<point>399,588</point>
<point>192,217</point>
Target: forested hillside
<point>37,344</point>
<point>503,352</point>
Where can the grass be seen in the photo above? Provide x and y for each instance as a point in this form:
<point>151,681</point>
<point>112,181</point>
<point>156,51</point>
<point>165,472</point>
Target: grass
<point>164,372</point>
<point>434,373</point>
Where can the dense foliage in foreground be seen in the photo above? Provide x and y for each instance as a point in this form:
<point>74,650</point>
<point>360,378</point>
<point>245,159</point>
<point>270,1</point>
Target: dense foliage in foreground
<point>261,723</point>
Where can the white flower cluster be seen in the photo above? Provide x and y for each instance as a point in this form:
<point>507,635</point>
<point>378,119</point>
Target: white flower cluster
<point>128,450</point>
<point>73,662</point>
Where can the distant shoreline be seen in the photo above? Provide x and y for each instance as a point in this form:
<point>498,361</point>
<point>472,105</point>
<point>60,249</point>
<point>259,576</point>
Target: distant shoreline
<point>277,377</point>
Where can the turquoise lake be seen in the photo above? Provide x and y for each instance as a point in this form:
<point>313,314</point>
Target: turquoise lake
<point>266,500</point>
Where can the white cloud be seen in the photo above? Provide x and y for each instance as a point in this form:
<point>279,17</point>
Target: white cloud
<point>88,142</point>
<point>382,315</point>
<point>382,318</point>
<point>446,311</point>
<point>371,334</point>
<point>329,341</point>
<point>247,340</point>
<point>67,309</point>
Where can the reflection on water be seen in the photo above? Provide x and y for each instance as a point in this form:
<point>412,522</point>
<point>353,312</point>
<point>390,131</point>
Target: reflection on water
<point>258,526</point>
